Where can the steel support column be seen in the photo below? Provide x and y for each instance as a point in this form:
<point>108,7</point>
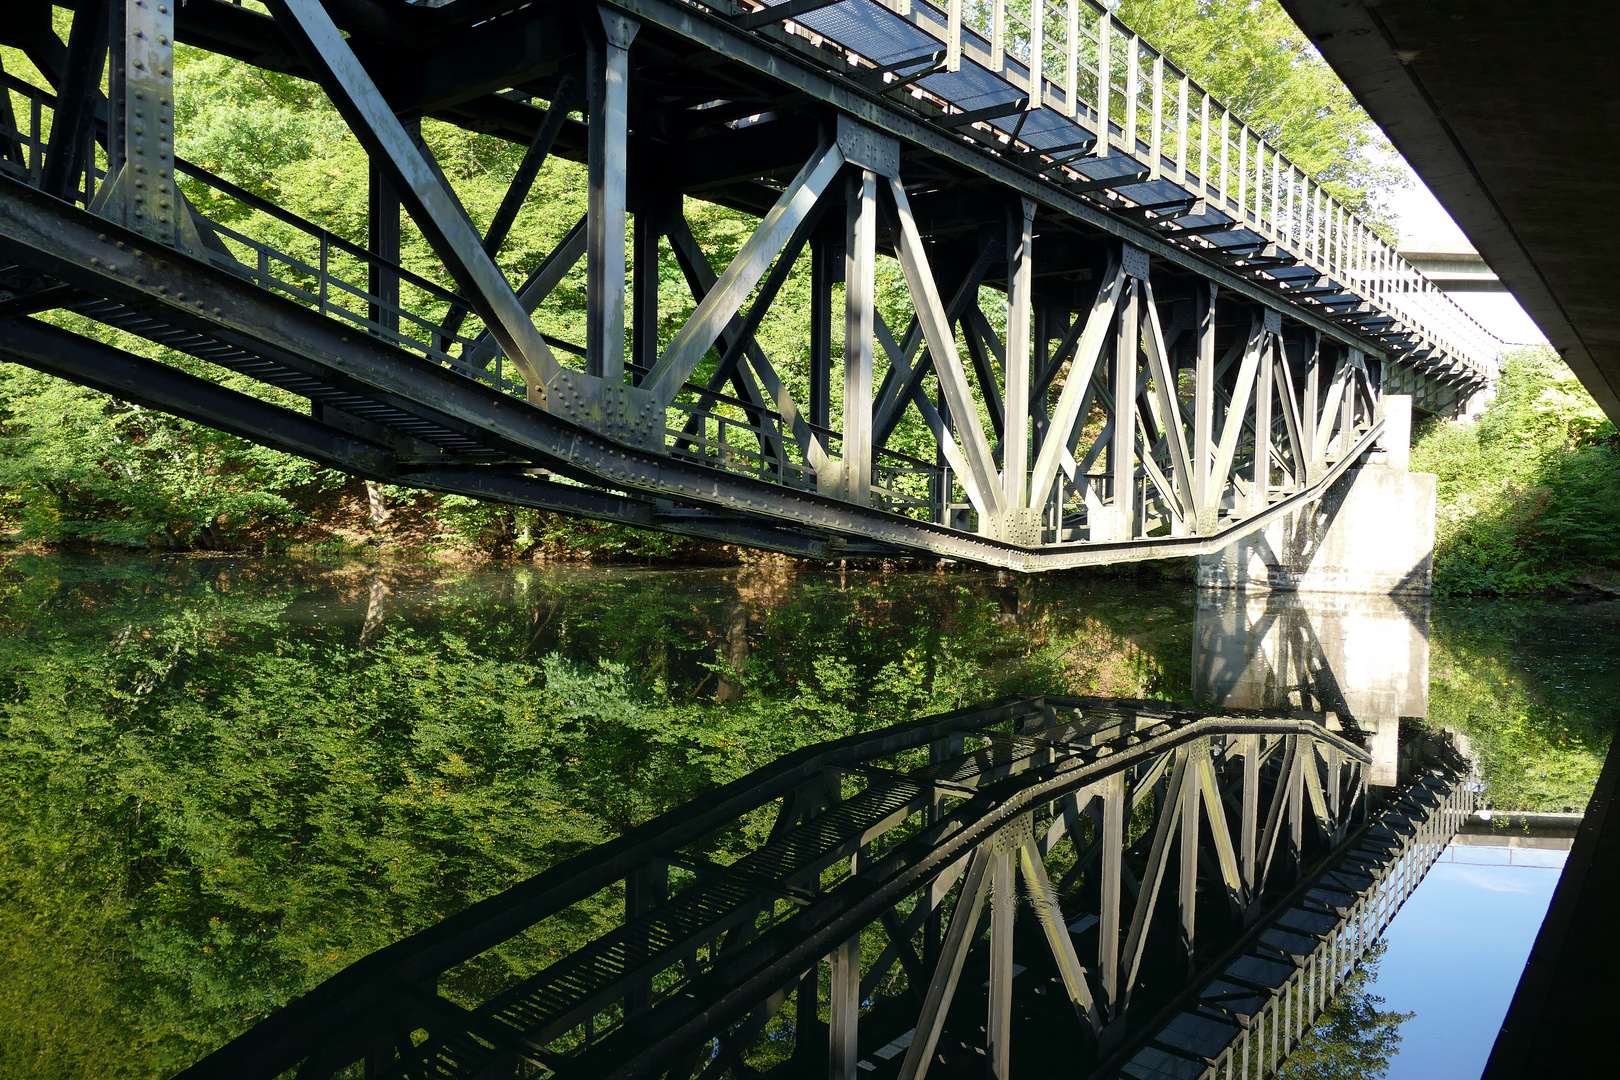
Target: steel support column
<point>860,268</point>
<point>607,170</point>
<point>1122,451</point>
<point>1016,373</point>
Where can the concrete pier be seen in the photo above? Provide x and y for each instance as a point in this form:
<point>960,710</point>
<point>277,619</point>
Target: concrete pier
<point>1371,533</point>
<point>1361,661</point>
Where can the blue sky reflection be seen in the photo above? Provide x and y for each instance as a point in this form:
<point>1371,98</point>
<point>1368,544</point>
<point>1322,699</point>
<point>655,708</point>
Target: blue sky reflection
<point>1455,953</point>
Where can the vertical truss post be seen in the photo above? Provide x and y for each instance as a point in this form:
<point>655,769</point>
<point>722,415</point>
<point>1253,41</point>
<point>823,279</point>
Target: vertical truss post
<point>1204,406</point>
<point>117,94</point>
<point>152,202</point>
<point>823,275</point>
<point>1016,374</point>
<point>1187,879</point>
<point>1250,825</point>
<point>1113,853</point>
<point>606,170</point>
<point>1311,402</point>
<point>1304,757</point>
<point>860,269</point>
<point>1122,452</point>
<point>844,1011</point>
<point>65,162</point>
<point>382,240</point>
<point>1003,908</point>
<point>1259,493</point>
<point>644,889</point>
<point>1347,402</point>
<point>644,292</point>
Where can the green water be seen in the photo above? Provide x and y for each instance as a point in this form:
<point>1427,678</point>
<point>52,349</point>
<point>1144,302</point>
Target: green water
<point>223,780</point>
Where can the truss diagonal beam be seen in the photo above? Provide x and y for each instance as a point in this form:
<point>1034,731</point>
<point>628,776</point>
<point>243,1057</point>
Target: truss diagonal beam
<point>434,206</point>
<point>1067,412</point>
<point>720,304</point>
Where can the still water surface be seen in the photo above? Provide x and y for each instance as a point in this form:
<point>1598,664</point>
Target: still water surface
<point>223,780</point>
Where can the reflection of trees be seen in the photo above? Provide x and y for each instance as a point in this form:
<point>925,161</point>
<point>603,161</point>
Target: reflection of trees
<point>1353,1039</point>
<point>226,781</point>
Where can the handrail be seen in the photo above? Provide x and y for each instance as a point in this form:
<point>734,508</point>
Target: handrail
<point>1157,115</point>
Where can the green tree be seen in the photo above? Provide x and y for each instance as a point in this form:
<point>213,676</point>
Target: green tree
<point>1255,60</point>
<point>1353,1039</point>
<point>1529,496</point>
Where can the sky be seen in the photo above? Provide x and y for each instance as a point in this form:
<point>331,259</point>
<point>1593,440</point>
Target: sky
<point>1456,950</point>
<point>1422,221</point>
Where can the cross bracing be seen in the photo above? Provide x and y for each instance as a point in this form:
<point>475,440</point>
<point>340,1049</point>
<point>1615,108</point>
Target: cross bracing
<point>1116,348</point>
<point>1113,888</point>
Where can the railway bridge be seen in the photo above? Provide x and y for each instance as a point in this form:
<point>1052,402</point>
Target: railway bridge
<point>1063,307</point>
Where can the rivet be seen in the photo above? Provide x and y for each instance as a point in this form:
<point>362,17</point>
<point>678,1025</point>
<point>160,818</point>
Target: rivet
<point>180,296</point>
<point>163,288</point>
<point>216,311</point>
<point>94,261</point>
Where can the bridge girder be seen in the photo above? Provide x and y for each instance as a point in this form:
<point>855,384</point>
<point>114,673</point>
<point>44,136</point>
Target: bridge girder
<point>1089,422</point>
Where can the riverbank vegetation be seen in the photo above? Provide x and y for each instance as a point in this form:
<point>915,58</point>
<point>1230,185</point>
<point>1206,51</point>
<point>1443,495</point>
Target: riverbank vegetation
<point>1529,494</point>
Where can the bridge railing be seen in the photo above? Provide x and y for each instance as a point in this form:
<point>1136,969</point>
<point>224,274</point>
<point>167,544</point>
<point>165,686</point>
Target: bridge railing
<point>1030,74</point>
<point>278,250</point>
<point>1244,1033</point>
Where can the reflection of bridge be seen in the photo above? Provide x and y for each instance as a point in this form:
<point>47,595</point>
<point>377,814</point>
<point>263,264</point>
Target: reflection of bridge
<point>1167,893</point>
<point>1363,661</point>
<point>1135,329</point>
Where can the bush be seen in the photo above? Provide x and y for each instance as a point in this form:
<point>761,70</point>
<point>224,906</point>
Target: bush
<point>1530,493</point>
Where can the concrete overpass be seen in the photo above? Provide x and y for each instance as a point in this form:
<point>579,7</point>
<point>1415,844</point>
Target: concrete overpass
<point>1508,113</point>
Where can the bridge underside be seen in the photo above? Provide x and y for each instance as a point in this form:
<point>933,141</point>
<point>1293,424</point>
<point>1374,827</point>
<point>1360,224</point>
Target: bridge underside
<point>1131,347</point>
<point>1507,113</point>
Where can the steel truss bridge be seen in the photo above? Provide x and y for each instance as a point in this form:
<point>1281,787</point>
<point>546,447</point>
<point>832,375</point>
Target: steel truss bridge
<point>1100,887</point>
<point>1133,328</point>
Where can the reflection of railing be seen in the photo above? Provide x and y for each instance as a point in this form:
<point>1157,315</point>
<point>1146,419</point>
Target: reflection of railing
<point>1324,937</point>
<point>1196,162</point>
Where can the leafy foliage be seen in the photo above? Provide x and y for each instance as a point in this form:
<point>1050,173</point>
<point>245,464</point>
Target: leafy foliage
<point>1530,493</point>
<point>1353,1039</point>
